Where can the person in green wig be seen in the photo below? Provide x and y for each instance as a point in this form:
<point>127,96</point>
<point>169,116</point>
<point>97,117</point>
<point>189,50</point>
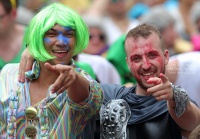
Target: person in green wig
<point>57,98</point>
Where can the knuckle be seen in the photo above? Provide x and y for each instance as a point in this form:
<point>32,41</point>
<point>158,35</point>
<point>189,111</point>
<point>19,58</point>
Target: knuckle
<point>168,84</point>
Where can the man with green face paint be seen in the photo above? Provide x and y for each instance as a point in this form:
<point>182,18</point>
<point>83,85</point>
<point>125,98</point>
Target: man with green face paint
<point>59,98</point>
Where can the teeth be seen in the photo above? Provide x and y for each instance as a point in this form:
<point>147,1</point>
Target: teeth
<point>146,74</point>
<point>60,51</point>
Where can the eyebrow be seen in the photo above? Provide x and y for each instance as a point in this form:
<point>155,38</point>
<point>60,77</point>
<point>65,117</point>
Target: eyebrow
<point>135,55</point>
<point>52,29</point>
<point>59,31</point>
<point>153,51</point>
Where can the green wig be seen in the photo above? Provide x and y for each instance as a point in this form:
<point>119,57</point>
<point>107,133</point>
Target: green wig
<point>54,14</point>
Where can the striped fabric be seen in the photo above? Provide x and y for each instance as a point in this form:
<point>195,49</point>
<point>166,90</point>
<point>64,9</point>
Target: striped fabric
<point>58,117</point>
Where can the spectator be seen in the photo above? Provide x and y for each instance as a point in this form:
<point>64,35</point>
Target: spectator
<point>98,38</point>
<point>11,33</point>
<point>161,19</point>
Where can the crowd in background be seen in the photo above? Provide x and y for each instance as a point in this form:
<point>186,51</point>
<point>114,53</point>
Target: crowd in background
<point>108,22</point>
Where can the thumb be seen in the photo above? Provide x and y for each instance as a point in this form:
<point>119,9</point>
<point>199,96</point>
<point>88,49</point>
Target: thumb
<point>51,68</point>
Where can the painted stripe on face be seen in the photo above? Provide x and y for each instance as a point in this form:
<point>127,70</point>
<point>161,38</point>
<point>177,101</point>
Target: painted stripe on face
<point>67,28</point>
<point>47,40</point>
<point>63,40</point>
<point>67,48</point>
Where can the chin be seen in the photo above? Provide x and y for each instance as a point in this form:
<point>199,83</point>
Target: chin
<point>145,85</point>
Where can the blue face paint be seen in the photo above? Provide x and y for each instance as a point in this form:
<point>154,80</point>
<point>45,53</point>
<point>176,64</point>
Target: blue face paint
<point>60,32</point>
<point>67,48</point>
<point>63,40</point>
<point>47,40</point>
<point>67,28</point>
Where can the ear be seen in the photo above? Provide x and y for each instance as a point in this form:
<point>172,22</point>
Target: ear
<point>166,56</point>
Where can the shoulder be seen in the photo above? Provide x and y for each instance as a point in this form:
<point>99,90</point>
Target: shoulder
<point>9,74</point>
<point>8,79</point>
<point>10,69</point>
<point>115,91</point>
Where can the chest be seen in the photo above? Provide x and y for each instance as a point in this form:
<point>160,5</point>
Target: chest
<point>37,94</point>
<point>47,113</point>
<point>161,127</point>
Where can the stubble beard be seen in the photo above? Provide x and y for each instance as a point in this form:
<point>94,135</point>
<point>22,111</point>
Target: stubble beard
<point>145,87</point>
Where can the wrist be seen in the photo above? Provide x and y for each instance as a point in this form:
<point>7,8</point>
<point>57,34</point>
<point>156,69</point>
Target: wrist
<point>181,100</point>
<point>171,103</point>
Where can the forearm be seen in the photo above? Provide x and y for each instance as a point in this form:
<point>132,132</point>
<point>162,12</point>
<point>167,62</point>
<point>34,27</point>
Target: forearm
<point>189,119</point>
<point>189,26</point>
<point>79,90</point>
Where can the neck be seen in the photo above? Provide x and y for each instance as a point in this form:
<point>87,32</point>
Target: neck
<point>14,32</point>
<point>141,91</point>
<point>46,77</point>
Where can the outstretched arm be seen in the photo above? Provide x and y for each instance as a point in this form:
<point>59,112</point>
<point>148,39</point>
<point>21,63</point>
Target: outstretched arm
<point>76,85</point>
<point>163,91</point>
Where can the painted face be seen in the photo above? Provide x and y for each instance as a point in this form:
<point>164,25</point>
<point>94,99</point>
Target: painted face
<point>97,41</point>
<point>59,41</point>
<point>145,58</point>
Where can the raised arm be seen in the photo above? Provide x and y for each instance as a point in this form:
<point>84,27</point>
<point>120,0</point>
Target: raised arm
<point>75,84</point>
<point>187,117</point>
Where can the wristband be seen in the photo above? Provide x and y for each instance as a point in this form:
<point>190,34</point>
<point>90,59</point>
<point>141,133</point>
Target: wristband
<point>181,100</point>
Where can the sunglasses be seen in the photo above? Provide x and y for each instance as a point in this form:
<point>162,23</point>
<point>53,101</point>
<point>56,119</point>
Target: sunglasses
<point>101,37</point>
<point>30,129</point>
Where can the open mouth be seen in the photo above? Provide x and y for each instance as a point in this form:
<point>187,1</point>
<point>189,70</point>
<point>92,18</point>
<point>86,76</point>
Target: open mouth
<point>60,54</point>
<point>147,75</point>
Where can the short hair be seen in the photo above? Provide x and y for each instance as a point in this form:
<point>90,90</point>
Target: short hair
<point>158,17</point>
<point>145,30</point>
<point>8,5</point>
<point>96,22</point>
<point>56,13</point>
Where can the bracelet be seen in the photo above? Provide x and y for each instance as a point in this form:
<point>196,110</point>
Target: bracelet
<point>181,99</point>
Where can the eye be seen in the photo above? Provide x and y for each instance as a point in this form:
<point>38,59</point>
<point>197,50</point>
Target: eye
<point>69,34</point>
<point>51,34</point>
<point>135,59</point>
<point>152,55</point>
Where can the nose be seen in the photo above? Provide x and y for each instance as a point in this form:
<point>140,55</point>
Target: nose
<point>146,65</point>
<point>62,40</point>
